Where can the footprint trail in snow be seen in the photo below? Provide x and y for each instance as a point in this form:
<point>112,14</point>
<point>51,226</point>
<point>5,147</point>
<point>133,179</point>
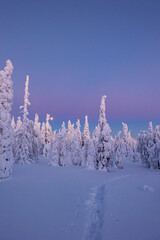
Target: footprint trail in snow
<point>95,206</point>
<point>93,228</point>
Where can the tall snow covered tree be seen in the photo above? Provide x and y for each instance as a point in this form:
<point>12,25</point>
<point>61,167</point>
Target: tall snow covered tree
<point>127,144</point>
<point>105,143</point>
<point>78,144</point>
<point>54,153</point>
<point>142,141</point>
<point>26,101</point>
<point>156,162</point>
<point>6,96</point>
<point>118,150</point>
<point>95,138</point>
<point>85,141</point>
<point>91,157</point>
<point>70,144</point>
<point>37,129</point>
<point>37,124</point>
<point>46,135</point>
<point>25,140</point>
<point>150,146</point>
<point>62,145</point>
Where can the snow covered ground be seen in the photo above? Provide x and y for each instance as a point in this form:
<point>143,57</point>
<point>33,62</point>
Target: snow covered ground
<point>72,203</point>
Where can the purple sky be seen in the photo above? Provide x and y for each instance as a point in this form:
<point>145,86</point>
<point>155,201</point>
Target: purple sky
<point>76,51</point>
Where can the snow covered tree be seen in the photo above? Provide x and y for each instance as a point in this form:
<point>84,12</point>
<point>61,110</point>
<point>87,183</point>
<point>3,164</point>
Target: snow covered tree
<point>62,145</point>
<point>25,144</point>
<point>6,137</point>
<point>156,162</point>
<point>131,147</point>
<point>85,141</point>
<point>19,123</point>
<point>37,124</point>
<point>148,146</point>
<point>78,140</point>
<point>125,142</point>
<point>95,138</point>
<point>105,143</point>
<point>142,142</point>
<point>43,135</point>
<point>136,155</point>
<point>26,101</point>
<point>128,147</point>
<point>46,134</point>
<point>96,134</point>
<point>13,124</point>
<point>25,138</point>
<point>91,158</point>
<point>70,144</point>
<point>54,153</point>
<point>37,129</point>
<point>118,150</point>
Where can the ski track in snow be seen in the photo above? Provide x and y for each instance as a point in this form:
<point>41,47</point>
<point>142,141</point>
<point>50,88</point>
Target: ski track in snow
<point>95,205</point>
<point>93,229</point>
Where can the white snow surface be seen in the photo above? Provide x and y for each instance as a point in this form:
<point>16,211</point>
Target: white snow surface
<point>72,203</point>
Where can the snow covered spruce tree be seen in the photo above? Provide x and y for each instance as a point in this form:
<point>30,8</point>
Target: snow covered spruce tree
<point>105,142</point>
<point>118,150</point>
<point>19,123</point>
<point>62,145</point>
<point>95,138</point>
<point>25,140</point>
<point>142,146</point>
<point>127,144</point>
<point>71,145</point>
<point>156,163</point>
<point>125,147</point>
<point>85,141</point>
<point>91,158</point>
<point>37,129</point>
<point>13,124</point>
<point>46,135</point>
<point>6,95</point>
<point>133,155</point>
<point>78,145</point>
<point>54,153</point>
<point>148,146</point>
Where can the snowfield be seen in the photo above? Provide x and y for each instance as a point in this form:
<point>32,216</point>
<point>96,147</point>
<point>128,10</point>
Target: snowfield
<point>72,203</point>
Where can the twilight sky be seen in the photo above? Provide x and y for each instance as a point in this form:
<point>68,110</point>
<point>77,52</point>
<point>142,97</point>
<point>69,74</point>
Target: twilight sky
<point>75,51</point>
